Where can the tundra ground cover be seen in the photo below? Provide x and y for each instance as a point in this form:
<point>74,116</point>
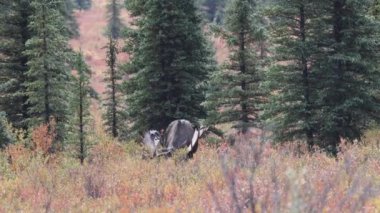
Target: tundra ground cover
<point>248,176</point>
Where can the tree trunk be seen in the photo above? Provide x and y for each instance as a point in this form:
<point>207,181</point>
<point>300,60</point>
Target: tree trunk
<point>113,85</point>
<point>306,84</point>
<point>81,124</point>
<point>46,77</point>
<point>24,61</point>
<point>243,84</point>
<point>338,68</point>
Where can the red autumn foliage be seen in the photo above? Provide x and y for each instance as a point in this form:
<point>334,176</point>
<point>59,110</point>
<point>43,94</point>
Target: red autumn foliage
<point>43,137</point>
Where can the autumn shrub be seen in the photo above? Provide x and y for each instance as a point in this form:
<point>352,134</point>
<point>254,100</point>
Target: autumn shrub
<point>249,176</point>
<point>23,149</point>
<point>134,149</point>
<point>264,178</point>
<point>18,156</point>
<point>43,137</point>
<point>94,183</point>
<point>5,169</point>
<point>105,151</point>
<point>14,155</point>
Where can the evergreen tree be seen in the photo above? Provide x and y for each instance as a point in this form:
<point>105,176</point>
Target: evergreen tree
<point>235,94</point>
<point>114,22</point>
<point>213,10</point>
<point>13,35</point>
<point>375,8</point>
<point>290,80</point>
<point>83,4</point>
<point>325,77</point>
<point>80,106</point>
<point>348,71</point>
<point>169,63</point>
<point>113,95</point>
<point>135,7</point>
<point>113,75</point>
<point>6,134</point>
<point>48,75</point>
<point>72,25</point>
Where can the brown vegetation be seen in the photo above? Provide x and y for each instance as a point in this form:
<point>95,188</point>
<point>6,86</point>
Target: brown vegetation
<point>247,176</point>
<point>43,137</point>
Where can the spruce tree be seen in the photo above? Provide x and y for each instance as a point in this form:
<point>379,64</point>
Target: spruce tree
<point>13,35</point>
<point>113,75</point>
<point>290,80</point>
<point>80,106</point>
<point>348,69</point>
<point>325,76</point>
<point>48,75</point>
<point>72,25</point>
<point>115,25</point>
<point>169,63</point>
<point>213,10</point>
<point>375,8</point>
<point>84,4</point>
<point>235,95</point>
<point>135,7</point>
<point>6,135</point>
<point>113,95</point>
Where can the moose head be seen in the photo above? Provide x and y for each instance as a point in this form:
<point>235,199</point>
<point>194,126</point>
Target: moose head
<point>151,140</point>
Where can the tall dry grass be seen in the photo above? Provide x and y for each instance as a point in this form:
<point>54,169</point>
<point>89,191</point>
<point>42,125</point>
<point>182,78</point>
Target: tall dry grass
<point>249,177</point>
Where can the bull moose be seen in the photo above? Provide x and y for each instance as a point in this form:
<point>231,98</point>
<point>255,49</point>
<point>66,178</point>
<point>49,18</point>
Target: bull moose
<point>179,134</point>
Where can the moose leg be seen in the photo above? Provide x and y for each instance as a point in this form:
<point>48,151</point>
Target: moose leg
<point>193,150</point>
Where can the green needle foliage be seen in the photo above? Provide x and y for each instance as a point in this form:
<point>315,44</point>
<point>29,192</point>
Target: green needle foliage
<point>170,61</point>
<point>348,72</point>
<point>290,79</point>
<point>80,106</point>
<point>114,22</point>
<point>113,115</point>
<point>135,7</point>
<point>375,8</point>
<point>67,11</point>
<point>13,35</point>
<point>49,74</point>
<point>213,9</point>
<point>6,134</point>
<point>83,4</point>
<point>234,93</point>
<point>325,76</point>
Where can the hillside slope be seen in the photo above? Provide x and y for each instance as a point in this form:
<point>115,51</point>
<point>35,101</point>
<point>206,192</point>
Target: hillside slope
<point>92,40</point>
<point>92,24</point>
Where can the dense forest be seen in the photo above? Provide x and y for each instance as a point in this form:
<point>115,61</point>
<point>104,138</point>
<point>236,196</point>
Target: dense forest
<point>298,86</point>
